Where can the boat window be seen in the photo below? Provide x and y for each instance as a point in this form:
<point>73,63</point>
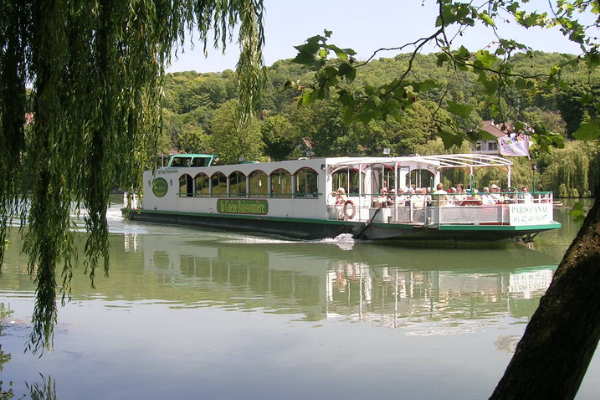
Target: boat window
<point>200,161</point>
<point>258,184</point>
<point>181,161</point>
<point>218,185</point>
<point>306,183</point>
<point>281,183</point>
<point>382,176</point>
<point>202,185</point>
<point>421,177</point>
<point>237,184</point>
<point>347,178</point>
<point>186,186</point>
<point>162,161</point>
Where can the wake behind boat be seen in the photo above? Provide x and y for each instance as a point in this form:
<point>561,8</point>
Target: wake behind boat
<point>373,198</point>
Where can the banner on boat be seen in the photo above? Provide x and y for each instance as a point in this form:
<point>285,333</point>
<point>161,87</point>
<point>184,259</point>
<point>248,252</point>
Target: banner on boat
<point>515,144</point>
<point>530,214</point>
<point>231,206</point>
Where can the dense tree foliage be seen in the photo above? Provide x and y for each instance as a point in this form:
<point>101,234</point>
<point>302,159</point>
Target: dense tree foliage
<point>287,130</point>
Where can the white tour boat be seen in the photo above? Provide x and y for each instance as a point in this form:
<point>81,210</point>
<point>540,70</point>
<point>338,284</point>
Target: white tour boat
<point>373,198</point>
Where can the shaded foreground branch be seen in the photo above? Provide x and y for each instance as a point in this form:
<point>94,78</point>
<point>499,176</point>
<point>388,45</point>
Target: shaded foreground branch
<point>561,338</point>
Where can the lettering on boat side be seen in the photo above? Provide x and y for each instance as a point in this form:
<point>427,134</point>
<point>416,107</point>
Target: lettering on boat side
<point>165,170</point>
<point>255,207</point>
<point>160,187</point>
<point>530,214</point>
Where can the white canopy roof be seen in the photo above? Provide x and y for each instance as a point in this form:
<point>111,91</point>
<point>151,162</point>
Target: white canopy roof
<point>442,161</point>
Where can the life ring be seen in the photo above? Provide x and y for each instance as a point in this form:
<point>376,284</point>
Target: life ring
<point>349,206</point>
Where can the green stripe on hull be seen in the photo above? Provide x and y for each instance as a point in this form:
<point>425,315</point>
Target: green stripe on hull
<point>253,217</point>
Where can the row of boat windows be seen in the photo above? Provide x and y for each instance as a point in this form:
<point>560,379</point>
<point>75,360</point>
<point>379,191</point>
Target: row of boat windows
<point>280,183</point>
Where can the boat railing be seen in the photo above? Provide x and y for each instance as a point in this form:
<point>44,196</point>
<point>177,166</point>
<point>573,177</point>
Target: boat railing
<point>435,210</point>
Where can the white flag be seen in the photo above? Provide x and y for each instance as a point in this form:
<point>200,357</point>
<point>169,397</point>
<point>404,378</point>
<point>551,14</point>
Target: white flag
<point>514,145</point>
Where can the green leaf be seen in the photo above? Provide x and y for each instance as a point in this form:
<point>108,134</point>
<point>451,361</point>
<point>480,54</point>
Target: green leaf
<point>480,134</point>
<point>578,213</point>
<point>304,58</point>
<point>487,20</point>
<point>462,110</point>
<point>485,58</point>
<point>367,116</point>
<point>376,100</point>
<point>425,85</point>
<point>450,139</point>
<point>588,131</point>
<point>494,110</point>
<point>520,83</point>
<point>442,58</point>
<point>586,98</point>
<point>307,52</point>
<point>346,99</point>
<point>307,98</point>
<point>513,8</point>
<point>347,71</point>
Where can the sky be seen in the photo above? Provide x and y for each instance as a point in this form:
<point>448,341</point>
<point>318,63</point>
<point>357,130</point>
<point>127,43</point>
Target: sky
<point>363,25</point>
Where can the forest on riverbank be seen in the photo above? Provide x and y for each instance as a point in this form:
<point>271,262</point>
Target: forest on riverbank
<point>199,116</point>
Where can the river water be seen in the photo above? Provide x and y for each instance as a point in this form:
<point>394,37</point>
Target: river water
<point>191,314</point>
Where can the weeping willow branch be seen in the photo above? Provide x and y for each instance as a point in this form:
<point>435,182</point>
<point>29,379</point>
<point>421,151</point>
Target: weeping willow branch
<point>94,69</point>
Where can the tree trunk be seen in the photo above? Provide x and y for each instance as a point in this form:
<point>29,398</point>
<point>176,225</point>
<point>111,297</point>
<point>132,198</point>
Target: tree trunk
<point>559,342</point>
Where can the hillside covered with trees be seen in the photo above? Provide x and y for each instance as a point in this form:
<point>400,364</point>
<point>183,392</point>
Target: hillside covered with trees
<point>199,117</point>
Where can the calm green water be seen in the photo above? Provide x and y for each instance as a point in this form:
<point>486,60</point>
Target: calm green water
<point>188,314</point>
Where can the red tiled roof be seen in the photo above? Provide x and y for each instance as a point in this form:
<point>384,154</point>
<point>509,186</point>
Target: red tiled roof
<point>498,130</point>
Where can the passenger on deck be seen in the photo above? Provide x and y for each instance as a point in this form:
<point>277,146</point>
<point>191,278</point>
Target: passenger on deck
<point>382,200</point>
<point>418,199</point>
<point>402,198</point>
<point>341,196</point>
<point>496,195</point>
<point>461,195</point>
<point>525,196</point>
<point>440,195</point>
<point>452,198</point>
<point>486,197</point>
<point>391,200</point>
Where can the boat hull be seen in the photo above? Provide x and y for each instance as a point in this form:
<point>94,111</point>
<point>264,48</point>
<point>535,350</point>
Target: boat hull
<point>310,229</point>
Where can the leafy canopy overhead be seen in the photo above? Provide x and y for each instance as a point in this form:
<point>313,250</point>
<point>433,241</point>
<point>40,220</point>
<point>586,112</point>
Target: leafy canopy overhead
<point>493,66</point>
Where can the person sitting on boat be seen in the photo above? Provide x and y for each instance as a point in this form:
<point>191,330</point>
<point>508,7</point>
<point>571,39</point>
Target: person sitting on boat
<point>341,196</point>
<point>461,194</point>
<point>496,195</point>
<point>428,200</point>
<point>418,199</point>
<point>382,200</point>
<point>452,198</point>
<point>486,197</point>
<point>525,196</point>
<point>440,195</point>
<point>402,199</point>
<point>391,200</point>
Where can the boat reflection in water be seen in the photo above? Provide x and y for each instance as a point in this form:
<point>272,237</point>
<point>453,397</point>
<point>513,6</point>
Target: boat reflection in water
<point>425,291</point>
